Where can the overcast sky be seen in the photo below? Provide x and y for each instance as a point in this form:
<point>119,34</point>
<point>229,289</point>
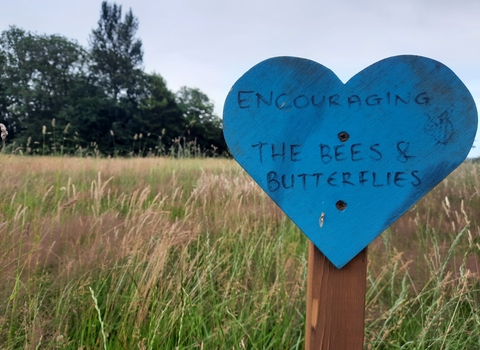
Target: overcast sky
<point>209,44</point>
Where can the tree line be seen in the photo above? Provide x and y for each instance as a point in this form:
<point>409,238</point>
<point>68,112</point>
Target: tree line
<point>57,96</point>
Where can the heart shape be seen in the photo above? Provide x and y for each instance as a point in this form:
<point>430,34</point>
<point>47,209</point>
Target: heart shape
<point>344,161</point>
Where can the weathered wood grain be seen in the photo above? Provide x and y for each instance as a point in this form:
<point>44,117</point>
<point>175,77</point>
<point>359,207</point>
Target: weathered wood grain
<point>335,302</point>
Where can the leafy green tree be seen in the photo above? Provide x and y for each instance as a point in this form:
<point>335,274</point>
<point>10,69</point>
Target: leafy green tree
<point>201,123</point>
<point>40,74</point>
<point>117,55</point>
<point>160,117</point>
<point>59,96</point>
<point>16,77</point>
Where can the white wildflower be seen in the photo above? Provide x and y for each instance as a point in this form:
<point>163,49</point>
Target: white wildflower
<point>4,131</point>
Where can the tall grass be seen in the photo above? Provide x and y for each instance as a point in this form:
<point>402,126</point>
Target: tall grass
<point>160,253</point>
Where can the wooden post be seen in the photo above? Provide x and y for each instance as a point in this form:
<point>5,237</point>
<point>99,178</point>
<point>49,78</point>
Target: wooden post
<point>335,302</point>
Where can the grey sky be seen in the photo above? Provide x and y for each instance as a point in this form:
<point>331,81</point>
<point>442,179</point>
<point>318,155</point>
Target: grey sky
<point>209,44</point>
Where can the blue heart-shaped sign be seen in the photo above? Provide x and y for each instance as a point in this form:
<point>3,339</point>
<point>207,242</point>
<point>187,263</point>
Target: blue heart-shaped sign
<point>344,161</point>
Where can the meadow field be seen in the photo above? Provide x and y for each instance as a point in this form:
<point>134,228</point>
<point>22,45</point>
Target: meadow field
<point>162,253</point>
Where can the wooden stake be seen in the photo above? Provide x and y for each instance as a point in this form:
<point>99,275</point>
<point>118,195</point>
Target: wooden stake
<point>335,302</point>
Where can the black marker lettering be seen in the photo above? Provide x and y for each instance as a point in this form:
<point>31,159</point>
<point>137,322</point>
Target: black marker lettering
<point>338,154</point>
<point>281,105</point>
<point>294,154</point>
<point>304,180</point>
<point>402,148</point>
<point>374,175</point>
<point>317,178</point>
<point>414,174</point>
<point>332,100</point>
<point>292,177</point>
<point>345,177</point>
<point>298,101</point>
<point>373,100</point>
<point>260,146</point>
<point>282,154</point>
<point>398,98</point>
<point>378,155</point>
<point>398,178</point>
<point>241,100</point>
<point>422,99</point>
<point>272,182</point>
<point>263,99</point>
<point>389,178</point>
<point>361,177</point>
<point>331,179</point>
<point>354,99</point>
<point>354,152</point>
<point>319,103</point>
<point>324,153</point>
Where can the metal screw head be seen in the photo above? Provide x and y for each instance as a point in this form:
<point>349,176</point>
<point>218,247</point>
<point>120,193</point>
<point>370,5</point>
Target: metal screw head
<point>341,205</point>
<point>343,136</point>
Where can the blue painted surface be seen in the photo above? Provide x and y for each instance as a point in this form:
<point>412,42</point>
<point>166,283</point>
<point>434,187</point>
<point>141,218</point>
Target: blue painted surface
<point>344,161</point>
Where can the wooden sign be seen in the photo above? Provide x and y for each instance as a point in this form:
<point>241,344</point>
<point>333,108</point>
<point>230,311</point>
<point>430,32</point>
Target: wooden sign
<point>344,161</point>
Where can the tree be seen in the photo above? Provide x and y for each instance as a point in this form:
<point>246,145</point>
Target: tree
<point>201,122</point>
<point>57,95</point>
<point>116,69</point>
<point>39,78</point>
<point>117,55</point>
<point>16,78</point>
<point>160,116</point>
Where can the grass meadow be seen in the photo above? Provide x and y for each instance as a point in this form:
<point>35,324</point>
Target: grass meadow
<point>161,253</point>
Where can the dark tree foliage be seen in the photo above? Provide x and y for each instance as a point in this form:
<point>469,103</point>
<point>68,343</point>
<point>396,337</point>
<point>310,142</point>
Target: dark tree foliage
<point>117,55</point>
<point>202,125</point>
<point>160,118</point>
<point>39,81</point>
<point>116,67</point>
<point>57,97</point>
